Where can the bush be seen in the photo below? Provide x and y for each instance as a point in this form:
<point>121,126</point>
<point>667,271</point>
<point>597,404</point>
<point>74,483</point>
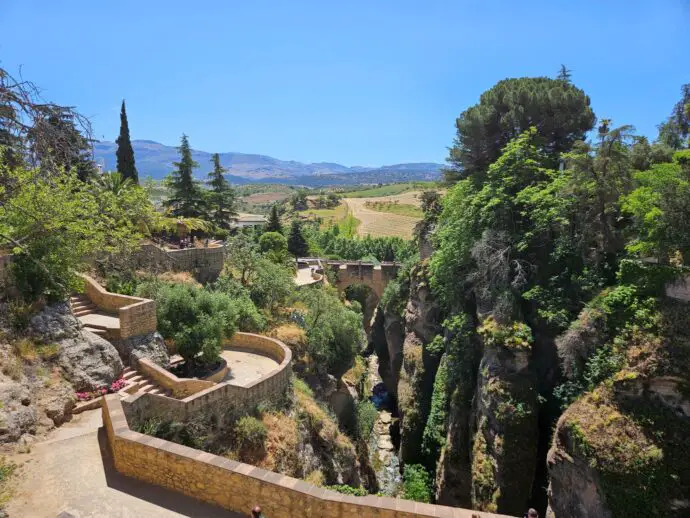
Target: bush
<point>250,433</point>
<point>348,490</point>
<point>19,314</point>
<point>248,317</point>
<point>366,418</point>
<point>197,320</point>
<point>417,484</point>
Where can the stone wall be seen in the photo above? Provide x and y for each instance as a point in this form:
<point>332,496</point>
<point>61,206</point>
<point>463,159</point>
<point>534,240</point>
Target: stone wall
<point>205,263</point>
<point>239,487</point>
<point>205,397</point>
<point>137,316</point>
<point>374,276</point>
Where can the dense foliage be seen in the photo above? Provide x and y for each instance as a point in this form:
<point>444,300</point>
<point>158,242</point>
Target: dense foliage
<point>186,195</point>
<point>221,196</point>
<point>555,107</point>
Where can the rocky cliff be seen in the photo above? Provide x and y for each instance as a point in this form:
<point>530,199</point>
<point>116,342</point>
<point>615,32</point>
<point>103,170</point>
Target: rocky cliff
<point>419,365</point>
<point>621,450</point>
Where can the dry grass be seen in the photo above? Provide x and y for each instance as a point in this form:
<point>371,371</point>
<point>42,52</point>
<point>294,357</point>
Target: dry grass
<point>281,444</point>
<point>179,278</point>
<point>261,198</point>
<point>29,351</point>
<point>13,367</point>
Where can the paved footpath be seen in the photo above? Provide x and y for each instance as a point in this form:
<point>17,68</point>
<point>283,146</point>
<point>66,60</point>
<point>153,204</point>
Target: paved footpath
<point>70,475</point>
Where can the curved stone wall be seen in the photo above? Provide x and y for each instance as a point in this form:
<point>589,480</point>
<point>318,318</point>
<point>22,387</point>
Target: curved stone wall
<point>239,487</point>
<point>205,396</point>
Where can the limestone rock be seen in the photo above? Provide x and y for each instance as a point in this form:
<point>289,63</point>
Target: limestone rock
<point>150,346</point>
<point>54,323</point>
<point>89,361</point>
<point>16,418</point>
<point>58,408</point>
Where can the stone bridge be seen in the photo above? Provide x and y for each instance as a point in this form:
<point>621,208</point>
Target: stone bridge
<point>376,276</point>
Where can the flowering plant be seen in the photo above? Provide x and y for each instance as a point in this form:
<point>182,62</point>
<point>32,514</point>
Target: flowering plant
<point>115,386</point>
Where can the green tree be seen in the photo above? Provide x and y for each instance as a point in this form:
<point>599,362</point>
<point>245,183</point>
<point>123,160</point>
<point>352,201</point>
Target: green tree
<point>675,130</point>
<point>299,200</point>
<point>125,153</point>
<point>564,74</point>
<point>297,244</point>
<point>274,246</point>
<point>559,110</point>
<point>221,198</point>
<point>186,196</point>
<point>73,151</point>
<point>54,227</point>
<point>274,224</point>
<point>334,331</point>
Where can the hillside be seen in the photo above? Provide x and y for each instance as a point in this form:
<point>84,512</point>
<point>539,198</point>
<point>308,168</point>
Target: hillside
<point>156,160</point>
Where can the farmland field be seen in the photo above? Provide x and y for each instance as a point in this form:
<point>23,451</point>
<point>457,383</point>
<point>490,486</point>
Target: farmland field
<point>390,190</point>
<point>378,224</point>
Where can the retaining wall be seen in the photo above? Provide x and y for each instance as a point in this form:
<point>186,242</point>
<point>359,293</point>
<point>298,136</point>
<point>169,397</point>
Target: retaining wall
<point>137,316</point>
<point>239,487</point>
<point>205,263</point>
<point>200,396</point>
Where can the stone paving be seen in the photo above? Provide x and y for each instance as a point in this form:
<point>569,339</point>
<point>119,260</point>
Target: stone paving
<point>246,367</point>
<point>70,475</point>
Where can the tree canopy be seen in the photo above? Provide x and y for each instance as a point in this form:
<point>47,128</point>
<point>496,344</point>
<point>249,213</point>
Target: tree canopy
<point>559,111</point>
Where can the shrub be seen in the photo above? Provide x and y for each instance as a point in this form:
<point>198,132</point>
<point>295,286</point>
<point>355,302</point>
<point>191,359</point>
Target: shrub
<point>366,418</point>
<point>19,314</point>
<point>250,433</point>
<point>197,320</point>
<point>348,490</point>
<point>417,484</point>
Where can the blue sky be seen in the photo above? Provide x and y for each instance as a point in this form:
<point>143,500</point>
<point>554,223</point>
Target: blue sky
<point>357,82</point>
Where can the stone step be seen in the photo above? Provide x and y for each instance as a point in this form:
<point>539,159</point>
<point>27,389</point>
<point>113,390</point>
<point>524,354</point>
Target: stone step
<point>100,332</point>
<point>83,305</point>
<point>129,374</point>
<point>92,326</point>
<point>84,311</point>
<point>147,388</point>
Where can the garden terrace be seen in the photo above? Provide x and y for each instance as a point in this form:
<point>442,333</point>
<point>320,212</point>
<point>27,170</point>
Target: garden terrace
<point>237,390</point>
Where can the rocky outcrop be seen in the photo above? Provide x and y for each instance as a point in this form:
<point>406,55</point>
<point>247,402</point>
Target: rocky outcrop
<point>419,365</point>
<point>17,416</point>
<point>504,449</point>
<point>87,360</point>
<point>150,346</point>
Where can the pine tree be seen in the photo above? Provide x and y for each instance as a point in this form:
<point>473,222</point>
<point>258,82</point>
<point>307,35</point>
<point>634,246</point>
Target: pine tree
<point>297,245</point>
<point>125,153</point>
<point>564,74</point>
<point>186,196</point>
<point>221,197</point>
<point>273,224</point>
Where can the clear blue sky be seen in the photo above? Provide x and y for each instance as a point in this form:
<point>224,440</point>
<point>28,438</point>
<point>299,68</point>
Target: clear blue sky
<point>357,82</point>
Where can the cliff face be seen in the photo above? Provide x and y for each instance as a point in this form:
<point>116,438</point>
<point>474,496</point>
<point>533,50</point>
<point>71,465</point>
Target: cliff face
<point>505,420</point>
<point>419,364</point>
<point>621,450</point>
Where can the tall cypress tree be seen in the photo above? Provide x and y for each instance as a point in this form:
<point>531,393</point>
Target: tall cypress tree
<point>297,245</point>
<point>125,153</point>
<point>186,195</point>
<point>221,197</point>
<point>273,224</point>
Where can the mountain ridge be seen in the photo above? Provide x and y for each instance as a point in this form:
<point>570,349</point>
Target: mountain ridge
<point>156,160</point>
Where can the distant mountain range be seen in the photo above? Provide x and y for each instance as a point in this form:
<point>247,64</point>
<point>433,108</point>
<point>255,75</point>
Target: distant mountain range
<point>156,160</point>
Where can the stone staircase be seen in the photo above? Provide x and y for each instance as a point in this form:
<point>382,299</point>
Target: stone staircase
<point>93,319</point>
<point>136,382</point>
